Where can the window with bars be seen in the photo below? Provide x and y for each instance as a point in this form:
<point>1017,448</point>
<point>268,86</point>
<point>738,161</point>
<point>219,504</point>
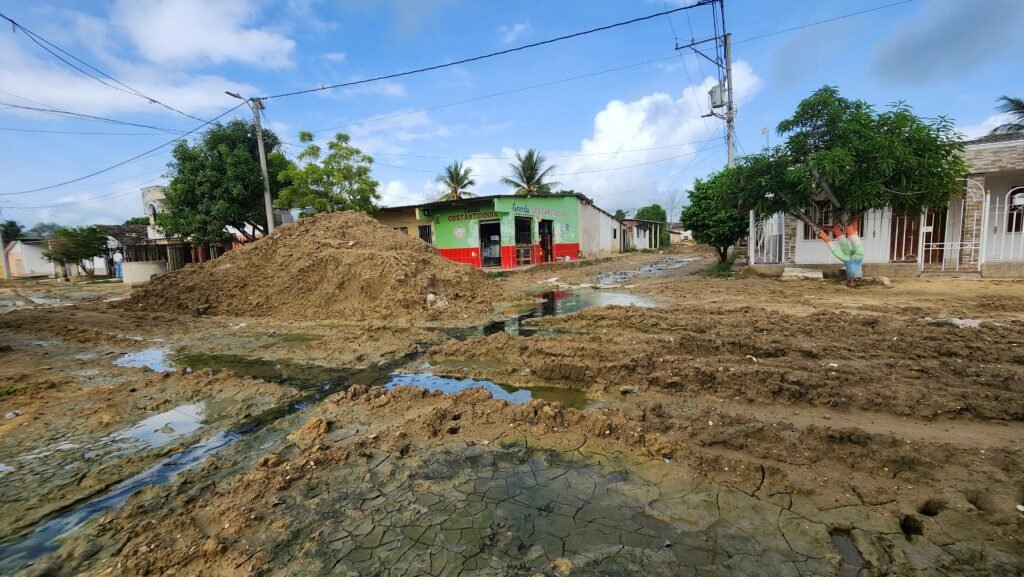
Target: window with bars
<point>426,233</point>
<point>1015,212</point>
<point>524,230</point>
<point>821,213</point>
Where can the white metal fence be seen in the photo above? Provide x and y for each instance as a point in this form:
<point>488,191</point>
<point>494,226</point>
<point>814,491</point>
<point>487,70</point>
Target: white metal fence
<point>1004,231</point>
<point>768,240</point>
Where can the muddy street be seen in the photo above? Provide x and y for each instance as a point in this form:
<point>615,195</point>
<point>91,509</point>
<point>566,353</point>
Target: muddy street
<point>623,416</point>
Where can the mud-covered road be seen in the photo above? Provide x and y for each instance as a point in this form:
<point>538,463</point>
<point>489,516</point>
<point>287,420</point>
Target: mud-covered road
<point>645,420</point>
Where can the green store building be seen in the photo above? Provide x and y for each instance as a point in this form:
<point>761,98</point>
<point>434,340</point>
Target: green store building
<point>509,231</point>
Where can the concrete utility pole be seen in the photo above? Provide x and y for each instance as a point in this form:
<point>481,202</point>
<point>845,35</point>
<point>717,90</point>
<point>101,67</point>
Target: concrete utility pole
<point>730,110</point>
<point>724,64</point>
<point>256,104</point>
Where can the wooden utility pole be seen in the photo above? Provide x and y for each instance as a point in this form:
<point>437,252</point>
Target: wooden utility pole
<point>256,104</point>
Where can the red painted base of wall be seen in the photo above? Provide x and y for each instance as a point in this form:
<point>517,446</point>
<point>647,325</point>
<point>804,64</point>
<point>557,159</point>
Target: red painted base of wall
<point>567,250</point>
<point>471,256</point>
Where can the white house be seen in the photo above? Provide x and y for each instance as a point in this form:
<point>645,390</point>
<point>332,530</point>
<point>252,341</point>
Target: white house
<point>25,258</point>
<point>980,233</point>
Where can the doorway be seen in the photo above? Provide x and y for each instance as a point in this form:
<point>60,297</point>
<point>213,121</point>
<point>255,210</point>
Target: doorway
<point>547,240</point>
<point>934,239</point>
<point>490,243</point>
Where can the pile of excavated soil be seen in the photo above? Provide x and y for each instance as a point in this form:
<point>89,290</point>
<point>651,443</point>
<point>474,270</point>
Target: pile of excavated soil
<point>343,266</point>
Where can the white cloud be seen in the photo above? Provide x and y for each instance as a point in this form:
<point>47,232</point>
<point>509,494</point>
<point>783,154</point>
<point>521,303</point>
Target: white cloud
<point>58,86</point>
<point>510,34</point>
<point>198,32</point>
<point>985,126</point>
<point>670,126</point>
<point>336,57</point>
<point>379,88</point>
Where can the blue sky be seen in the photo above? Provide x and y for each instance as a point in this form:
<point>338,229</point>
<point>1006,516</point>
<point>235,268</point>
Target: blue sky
<point>627,137</point>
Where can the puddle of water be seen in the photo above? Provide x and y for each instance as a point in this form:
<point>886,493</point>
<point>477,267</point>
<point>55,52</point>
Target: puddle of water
<point>450,386</point>
<point>4,468</point>
<point>15,555</point>
<point>658,268</point>
<point>154,358</point>
<point>155,431</point>
<point>43,300</point>
<point>550,304</point>
<point>853,563</point>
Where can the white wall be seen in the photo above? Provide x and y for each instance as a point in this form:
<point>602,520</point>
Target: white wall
<point>596,232</point>
<point>26,259</point>
<point>875,228</point>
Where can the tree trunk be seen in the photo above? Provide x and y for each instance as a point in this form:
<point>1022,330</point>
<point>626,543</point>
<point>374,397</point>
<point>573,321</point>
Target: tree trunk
<point>723,254</point>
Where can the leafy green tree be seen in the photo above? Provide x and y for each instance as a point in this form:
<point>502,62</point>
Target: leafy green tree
<point>710,219</point>
<point>620,214</point>
<point>843,158</point>
<point>137,221</point>
<point>339,180</point>
<point>529,176</point>
<point>456,179</point>
<point>653,212</point>
<point>656,213</point>
<point>42,230</point>
<point>11,229</point>
<point>217,183</point>
<point>1015,108</point>
<point>77,245</point>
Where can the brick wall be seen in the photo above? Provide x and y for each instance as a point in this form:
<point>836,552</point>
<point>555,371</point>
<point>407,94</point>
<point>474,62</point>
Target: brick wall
<point>994,157</point>
<point>789,234</point>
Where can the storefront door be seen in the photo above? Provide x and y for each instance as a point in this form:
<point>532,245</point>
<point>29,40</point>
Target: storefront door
<point>547,243</point>
<point>490,243</point>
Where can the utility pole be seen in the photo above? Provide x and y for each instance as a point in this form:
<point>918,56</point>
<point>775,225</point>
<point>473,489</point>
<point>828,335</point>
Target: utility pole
<point>730,110</point>
<point>723,62</point>
<point>256,104</point>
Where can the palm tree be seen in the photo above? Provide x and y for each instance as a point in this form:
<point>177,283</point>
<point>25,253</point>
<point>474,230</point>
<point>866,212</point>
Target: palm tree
<point>456,179</point>
<point>1015,108</point>
<point>529,174</point>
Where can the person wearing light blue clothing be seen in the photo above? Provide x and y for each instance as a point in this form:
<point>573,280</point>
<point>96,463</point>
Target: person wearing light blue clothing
<point>847,247</point>
<point>117,264</point>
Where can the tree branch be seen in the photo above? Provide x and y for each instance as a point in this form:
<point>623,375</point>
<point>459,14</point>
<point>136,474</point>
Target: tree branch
<point>826,188</point>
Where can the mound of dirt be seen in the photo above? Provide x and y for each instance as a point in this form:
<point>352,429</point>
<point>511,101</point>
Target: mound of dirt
<point>332,266</point>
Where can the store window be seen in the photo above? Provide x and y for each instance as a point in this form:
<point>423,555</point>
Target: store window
<point>426,233</point>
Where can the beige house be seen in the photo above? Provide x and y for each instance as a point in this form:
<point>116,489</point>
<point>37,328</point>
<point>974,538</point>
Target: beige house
<point>981,233</point>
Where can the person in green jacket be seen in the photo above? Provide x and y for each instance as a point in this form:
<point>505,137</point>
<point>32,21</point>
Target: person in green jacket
<point>846,245</point>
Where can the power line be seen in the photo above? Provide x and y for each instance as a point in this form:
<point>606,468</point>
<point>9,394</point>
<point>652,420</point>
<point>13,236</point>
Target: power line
<point>660,160</point>
<point>473,157</point>
<point>116,194</point>
<point>676,174</point>
<point>122,163</point>
<point>44,43</point>
<point>10,129</point>
<point>81,116</point>
<point>493,95</point>
<point>492,54</point>
<point>808,25</point>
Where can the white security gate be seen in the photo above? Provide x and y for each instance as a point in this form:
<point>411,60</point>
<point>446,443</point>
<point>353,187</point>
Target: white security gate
<point>1006,226</point>
<point>951,239</point>
<point>768,240</point>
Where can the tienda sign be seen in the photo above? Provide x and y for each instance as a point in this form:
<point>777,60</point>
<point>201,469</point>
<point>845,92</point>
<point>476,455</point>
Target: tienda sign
<point>524,209</point>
